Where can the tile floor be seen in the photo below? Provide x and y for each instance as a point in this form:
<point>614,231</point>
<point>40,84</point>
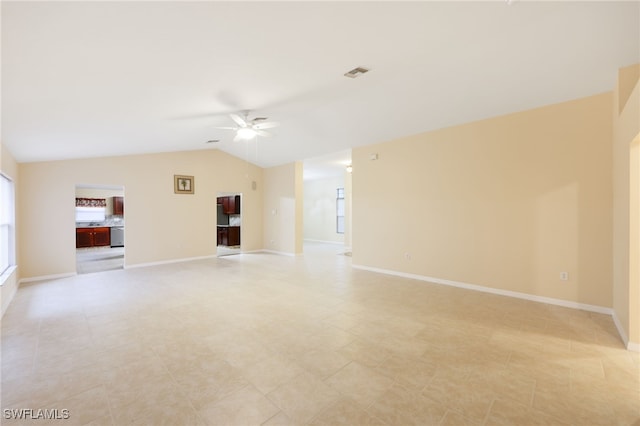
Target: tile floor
<point>99,259</point>
<point>262,339</point>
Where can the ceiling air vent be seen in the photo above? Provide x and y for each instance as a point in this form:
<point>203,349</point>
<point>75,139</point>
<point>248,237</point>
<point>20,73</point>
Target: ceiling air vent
<point>356,72</point>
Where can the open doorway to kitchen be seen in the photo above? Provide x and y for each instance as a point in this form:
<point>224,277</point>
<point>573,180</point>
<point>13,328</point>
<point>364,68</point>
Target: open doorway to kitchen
<point>229,223</point>
<point>99,216</point>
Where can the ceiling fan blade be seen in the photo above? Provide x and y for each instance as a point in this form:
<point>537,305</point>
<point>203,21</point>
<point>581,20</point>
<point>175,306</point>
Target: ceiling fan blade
<point>226,128</point>
<point>268,125</point>
<point>239,120</point>
<point>262,133</point>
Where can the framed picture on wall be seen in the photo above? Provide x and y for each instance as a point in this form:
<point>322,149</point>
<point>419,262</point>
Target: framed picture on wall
<point>183,184</point>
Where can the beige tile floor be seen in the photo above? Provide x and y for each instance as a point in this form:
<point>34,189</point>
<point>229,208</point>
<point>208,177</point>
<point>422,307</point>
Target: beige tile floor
<point>262,339</point>
<point>99,259</point>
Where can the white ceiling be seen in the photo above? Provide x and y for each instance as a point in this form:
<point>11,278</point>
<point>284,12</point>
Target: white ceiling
<point>85,79</point>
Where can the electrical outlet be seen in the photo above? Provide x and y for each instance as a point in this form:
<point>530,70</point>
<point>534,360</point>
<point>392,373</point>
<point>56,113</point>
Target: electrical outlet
<point>564,276</point>
<point>407,256</point>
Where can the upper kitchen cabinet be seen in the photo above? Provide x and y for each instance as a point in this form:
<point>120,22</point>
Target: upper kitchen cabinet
<point>118,206</point>
<point>230,205</point>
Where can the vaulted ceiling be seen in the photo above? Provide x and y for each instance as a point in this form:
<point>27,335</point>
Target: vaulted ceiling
<point>86,79</point>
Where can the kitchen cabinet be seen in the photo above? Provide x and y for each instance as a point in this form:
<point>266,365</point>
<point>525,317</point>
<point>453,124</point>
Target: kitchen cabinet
<point>93,237</point>
<point>222,236</point>
<point>233,237</point>
<point>84,237</point>
<point>228,235</point>
<point>118,206</point>
<point>230,205</point>
<point>101,237</point>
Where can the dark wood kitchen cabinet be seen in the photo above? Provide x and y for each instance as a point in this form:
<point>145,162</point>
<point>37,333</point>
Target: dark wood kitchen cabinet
<point>84,237</point>
<point>233,237</point>
<point>230,205</point>
<point>93,237</point>
<point>222,236</point>
<point>101,237</point>
<point>228,235</point>
<point>118,206</point>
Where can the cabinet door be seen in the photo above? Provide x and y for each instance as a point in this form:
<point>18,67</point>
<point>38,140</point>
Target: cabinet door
<point>236,204</point>
<point>231,204</point>
<point>222,237</point>
<point>118,206</point>
<point>84,237</point>
<point>234,236</point>
<point>225,205</point>
<point>102,237</point>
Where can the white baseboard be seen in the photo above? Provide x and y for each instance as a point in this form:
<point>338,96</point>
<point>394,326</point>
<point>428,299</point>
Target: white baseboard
<point>509,293</point>
<point>283,253</point>
<point>632,346</point>
<point>309,240</point>
<point>251,251</point>
<point>165,262</point>
<point>621,332</point>
<point>46,277</point>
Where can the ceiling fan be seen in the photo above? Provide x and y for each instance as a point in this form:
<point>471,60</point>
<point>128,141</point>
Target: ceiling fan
<point>248,129</point>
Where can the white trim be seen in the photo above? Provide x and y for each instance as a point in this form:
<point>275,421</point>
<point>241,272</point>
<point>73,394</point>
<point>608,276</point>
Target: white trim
<point>515,294</point>
<point>8,291</point>
<point>47,277</point>
<point>7,273</point>
<point>251,251</point>
<point>283,253</point>
<point>164,262</point>
<point>621,332</point>
<point>632,346</point>
<point>309,240</point>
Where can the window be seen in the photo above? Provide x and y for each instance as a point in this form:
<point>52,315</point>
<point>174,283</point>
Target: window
<point>90,214</point>
<point>7,246</point>
<point>91,209</point>
<point>340,211</point>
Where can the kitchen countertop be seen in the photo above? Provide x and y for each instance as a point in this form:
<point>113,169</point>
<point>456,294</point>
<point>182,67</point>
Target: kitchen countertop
<point>105,224</point>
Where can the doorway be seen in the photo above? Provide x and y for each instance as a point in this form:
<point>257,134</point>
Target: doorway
<point>100,224</point>
<point>327,201</point>
<point>228,223</point>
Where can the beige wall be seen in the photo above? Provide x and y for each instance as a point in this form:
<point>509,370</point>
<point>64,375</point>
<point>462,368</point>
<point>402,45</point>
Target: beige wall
<point>160,225</point>
<point>320,209</point>
<point>508,203</point>
<point>9,168</point>
<point>283,208</point>
<point>626,160</point>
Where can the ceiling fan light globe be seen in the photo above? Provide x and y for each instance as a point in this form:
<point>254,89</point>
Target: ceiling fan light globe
<point>246,133</point>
